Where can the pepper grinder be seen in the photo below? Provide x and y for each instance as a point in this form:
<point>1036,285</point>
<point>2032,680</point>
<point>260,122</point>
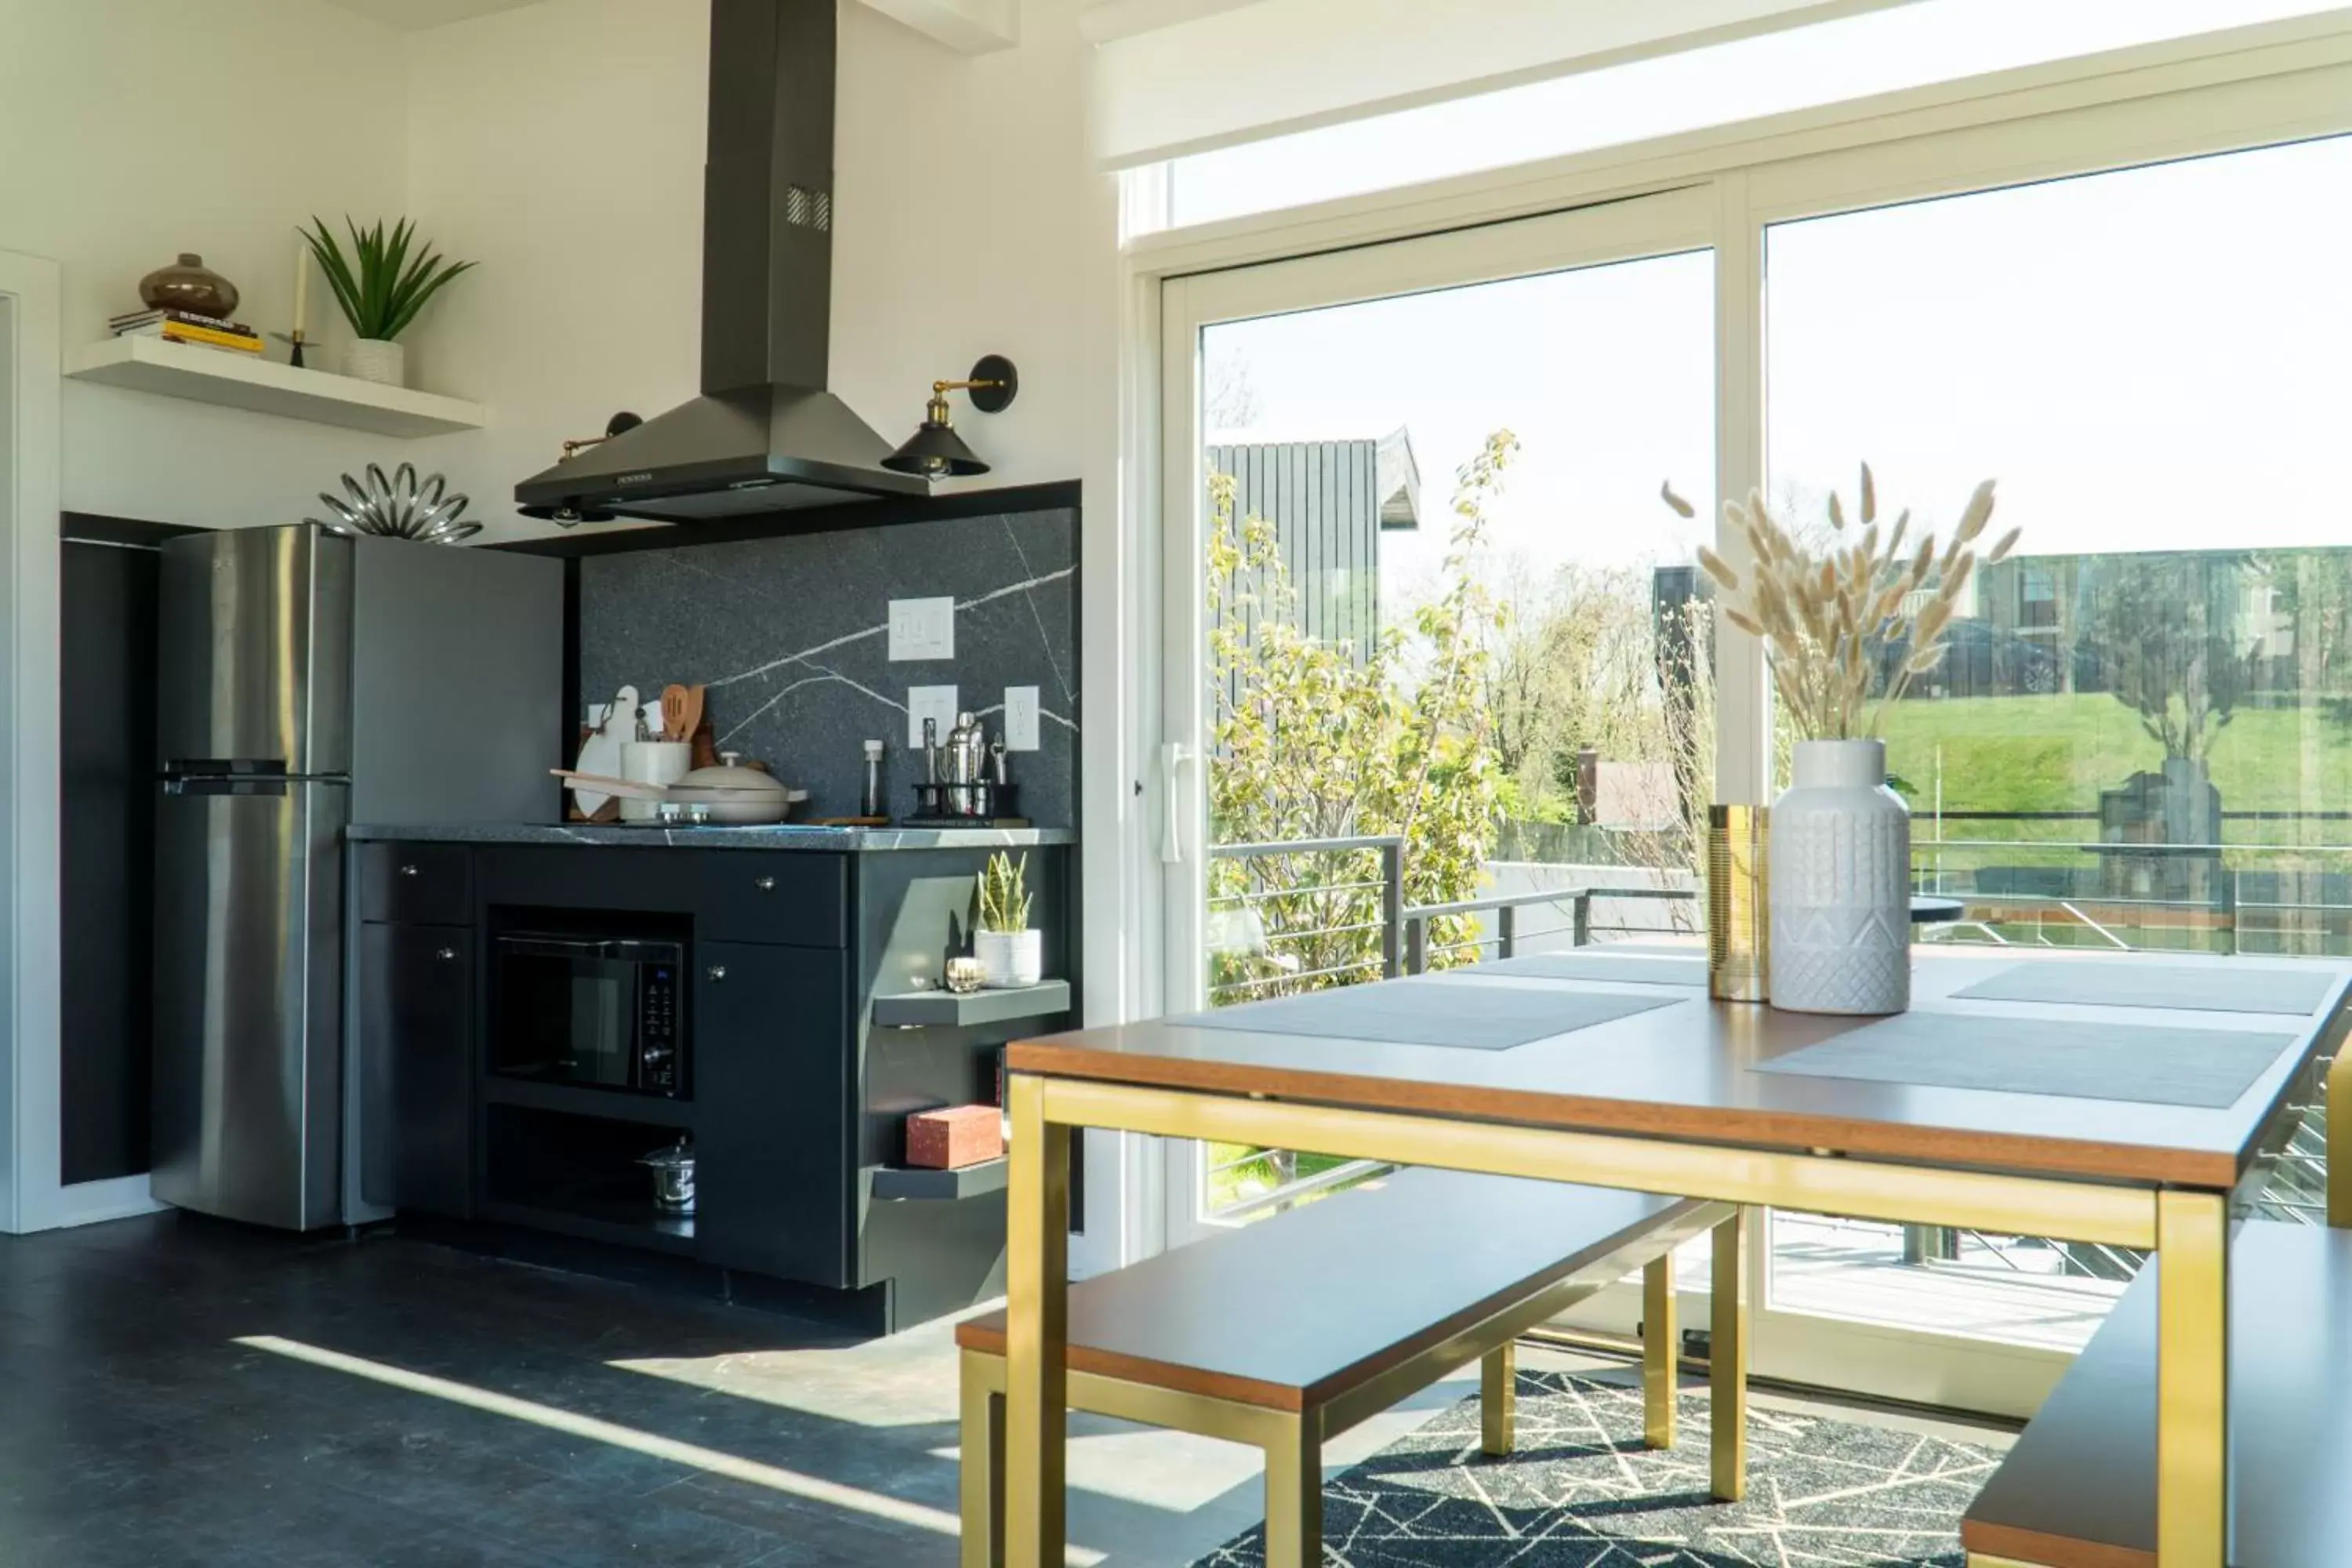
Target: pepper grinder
<point>871,805</point>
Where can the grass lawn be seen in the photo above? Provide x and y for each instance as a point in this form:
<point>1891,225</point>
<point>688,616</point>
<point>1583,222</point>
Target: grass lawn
<point>2057,753</point>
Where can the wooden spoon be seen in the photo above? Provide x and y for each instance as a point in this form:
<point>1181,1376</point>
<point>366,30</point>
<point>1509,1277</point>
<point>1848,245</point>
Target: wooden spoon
<point>673,710</point>
<point>692,718</point>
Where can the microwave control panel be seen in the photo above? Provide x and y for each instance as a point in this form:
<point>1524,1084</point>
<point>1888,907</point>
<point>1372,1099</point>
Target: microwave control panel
<point>657,1057</point>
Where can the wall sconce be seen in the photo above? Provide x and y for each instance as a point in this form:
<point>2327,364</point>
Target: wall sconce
<point>935,451</point>
<point>569,515</point>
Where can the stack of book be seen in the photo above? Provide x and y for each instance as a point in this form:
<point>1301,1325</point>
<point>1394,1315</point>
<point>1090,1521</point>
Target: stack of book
<point>187,327</point>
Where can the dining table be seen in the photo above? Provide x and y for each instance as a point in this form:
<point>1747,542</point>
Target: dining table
<point>2132,1100</point>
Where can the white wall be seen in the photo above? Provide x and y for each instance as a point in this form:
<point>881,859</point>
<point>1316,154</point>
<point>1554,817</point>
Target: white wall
<point>560,146</point>
<point>137,129</point>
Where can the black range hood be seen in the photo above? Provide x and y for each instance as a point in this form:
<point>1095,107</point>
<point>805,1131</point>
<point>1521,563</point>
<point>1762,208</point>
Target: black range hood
<point>765,436</point>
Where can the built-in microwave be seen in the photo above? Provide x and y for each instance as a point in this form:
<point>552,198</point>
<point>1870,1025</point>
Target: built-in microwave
<point>597,1012</point>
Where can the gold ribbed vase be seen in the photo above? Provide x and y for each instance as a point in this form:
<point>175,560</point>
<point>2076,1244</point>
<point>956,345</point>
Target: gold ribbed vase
<point>1738,919</point>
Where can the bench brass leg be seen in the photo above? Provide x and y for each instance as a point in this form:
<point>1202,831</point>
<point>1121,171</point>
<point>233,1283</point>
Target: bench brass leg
<point>1498,1399</point>
<point>2192,1384</point>
<point>980,1450</point>
<point>1294,1497</point>
<point>1036,1370</point>
<point>1726,1361</point>
<point>1660,1338</point>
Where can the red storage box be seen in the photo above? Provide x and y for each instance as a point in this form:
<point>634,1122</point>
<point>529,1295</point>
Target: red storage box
<point>956,1136</point>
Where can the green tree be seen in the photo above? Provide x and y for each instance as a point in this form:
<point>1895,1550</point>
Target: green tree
<point>1315,739</point>
<point>2167,630</point>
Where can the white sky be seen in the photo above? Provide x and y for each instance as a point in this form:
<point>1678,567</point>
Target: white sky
<point>2155,359</point>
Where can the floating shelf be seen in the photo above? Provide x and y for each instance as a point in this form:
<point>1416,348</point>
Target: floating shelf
<point>243,381</point>
<point>916,1009</point>
<point>913,1182</point>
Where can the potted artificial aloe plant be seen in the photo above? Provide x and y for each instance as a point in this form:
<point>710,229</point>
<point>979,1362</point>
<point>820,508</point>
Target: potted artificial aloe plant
<point>381,284</point>
<point>1010,952</point>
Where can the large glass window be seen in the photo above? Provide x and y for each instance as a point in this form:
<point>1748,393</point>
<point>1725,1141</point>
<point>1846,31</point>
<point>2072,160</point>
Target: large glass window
<point>2141,734</point>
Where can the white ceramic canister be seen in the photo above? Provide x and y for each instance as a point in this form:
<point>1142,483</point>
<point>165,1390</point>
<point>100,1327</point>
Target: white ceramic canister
<point>652,762</point>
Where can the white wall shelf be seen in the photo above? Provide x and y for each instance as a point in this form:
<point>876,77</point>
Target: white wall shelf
<point>239,380</point>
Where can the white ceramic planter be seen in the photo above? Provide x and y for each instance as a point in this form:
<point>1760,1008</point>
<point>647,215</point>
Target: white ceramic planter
<point>1841,876</point>
<point>1010,958</point>
<point>373,359</point>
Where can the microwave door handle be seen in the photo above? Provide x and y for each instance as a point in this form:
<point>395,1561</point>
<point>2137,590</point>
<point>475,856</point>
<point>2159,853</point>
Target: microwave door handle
<point>554,947</point>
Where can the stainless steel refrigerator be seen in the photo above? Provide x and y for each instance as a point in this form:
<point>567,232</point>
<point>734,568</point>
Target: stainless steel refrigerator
<point>308,682</point>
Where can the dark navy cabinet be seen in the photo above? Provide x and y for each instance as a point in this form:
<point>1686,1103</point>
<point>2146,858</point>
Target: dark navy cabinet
<point>795,1100</point>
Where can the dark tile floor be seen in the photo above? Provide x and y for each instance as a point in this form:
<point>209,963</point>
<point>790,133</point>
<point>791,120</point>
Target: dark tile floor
<point>135,1427</point>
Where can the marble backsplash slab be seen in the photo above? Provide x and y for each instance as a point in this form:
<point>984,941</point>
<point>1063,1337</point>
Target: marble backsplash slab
<point>791,637</point>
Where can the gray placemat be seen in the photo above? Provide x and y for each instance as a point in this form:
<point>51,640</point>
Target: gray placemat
<point>2151,1066</point>
<point>1590,966</point>
<point>2207,987</point>
<point>1431,1012</point>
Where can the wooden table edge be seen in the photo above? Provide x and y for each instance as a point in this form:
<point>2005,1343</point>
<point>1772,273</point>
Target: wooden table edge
<point>2004,1152</point>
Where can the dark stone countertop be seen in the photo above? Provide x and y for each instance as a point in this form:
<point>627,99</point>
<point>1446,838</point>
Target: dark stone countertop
<point>833,840</point>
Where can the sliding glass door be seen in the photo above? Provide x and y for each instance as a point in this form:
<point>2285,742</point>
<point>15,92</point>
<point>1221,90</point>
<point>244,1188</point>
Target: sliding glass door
<point>2141,734</point>
<point>1438,682</point>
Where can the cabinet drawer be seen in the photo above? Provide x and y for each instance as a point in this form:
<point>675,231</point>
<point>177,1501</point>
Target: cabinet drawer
<point>796,897</point>
<point>416,884</point>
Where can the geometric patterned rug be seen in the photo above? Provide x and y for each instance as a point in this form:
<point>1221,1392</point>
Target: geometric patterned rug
<point>1582,1491</point>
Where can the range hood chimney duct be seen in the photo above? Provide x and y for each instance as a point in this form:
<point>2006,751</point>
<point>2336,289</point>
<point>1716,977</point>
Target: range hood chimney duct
<point>765,436</point>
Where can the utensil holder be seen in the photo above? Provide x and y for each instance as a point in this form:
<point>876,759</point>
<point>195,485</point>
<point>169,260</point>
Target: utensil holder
<point>1739,917</point>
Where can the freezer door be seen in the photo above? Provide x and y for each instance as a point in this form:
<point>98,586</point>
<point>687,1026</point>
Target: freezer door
<point>248,999</point>
<point>255,649</point>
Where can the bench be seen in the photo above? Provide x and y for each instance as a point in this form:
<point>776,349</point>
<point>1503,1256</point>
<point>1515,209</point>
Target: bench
<point>1375,1292</point>
<point>2079,1489</point>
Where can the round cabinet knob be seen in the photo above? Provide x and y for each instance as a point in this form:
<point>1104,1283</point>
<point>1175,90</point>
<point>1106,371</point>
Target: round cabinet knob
<point>716,971</point>
<point>765,884</point>
<point>408,870</point>
<point>446,954</point>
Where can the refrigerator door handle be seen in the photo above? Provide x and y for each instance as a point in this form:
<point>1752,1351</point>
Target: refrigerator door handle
<point>216,785</point>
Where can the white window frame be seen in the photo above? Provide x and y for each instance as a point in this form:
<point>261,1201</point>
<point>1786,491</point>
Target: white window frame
<point>2248,88</point>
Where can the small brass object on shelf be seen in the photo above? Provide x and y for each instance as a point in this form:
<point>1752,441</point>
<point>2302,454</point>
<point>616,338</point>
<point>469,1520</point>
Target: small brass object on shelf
<point>1739,917</point>
<point>964,975</point>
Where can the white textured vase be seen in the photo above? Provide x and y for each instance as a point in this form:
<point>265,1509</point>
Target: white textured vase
<point>1840,873</point>
<point>374,358</point>
<point>1009,958</point>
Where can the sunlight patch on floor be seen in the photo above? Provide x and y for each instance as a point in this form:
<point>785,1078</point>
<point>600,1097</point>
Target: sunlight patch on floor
<point>775,1477</point>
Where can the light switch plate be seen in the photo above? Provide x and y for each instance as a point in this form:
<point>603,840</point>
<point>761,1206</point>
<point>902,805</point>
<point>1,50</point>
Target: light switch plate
<point>923,702</point>
<point>922,628</point>
<point>1020,717</point>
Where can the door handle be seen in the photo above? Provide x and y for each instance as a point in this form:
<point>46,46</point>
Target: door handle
<point>717,972</point>
<point>408,870</point>
<point>1174,755</point>
<point>446,954</point>
<point>765,884</point>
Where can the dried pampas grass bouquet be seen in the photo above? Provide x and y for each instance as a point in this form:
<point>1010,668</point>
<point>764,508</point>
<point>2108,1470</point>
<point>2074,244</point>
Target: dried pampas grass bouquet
<point>1827,608</point>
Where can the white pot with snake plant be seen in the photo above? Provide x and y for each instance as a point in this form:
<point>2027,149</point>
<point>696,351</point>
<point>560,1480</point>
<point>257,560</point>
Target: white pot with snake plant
<point>1850,618</point>
<point>1011,954</point>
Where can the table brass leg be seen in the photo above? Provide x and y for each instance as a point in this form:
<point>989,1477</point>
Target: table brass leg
<point>1294,1497</point>
<point>1036,1373</point>
<point>2339,1138</point>
<point>2192,1384</point>
<point>1726,1361</point>
<point>981,1452</point>
<point>1498,1399</point>
<point>1660,1338</point>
